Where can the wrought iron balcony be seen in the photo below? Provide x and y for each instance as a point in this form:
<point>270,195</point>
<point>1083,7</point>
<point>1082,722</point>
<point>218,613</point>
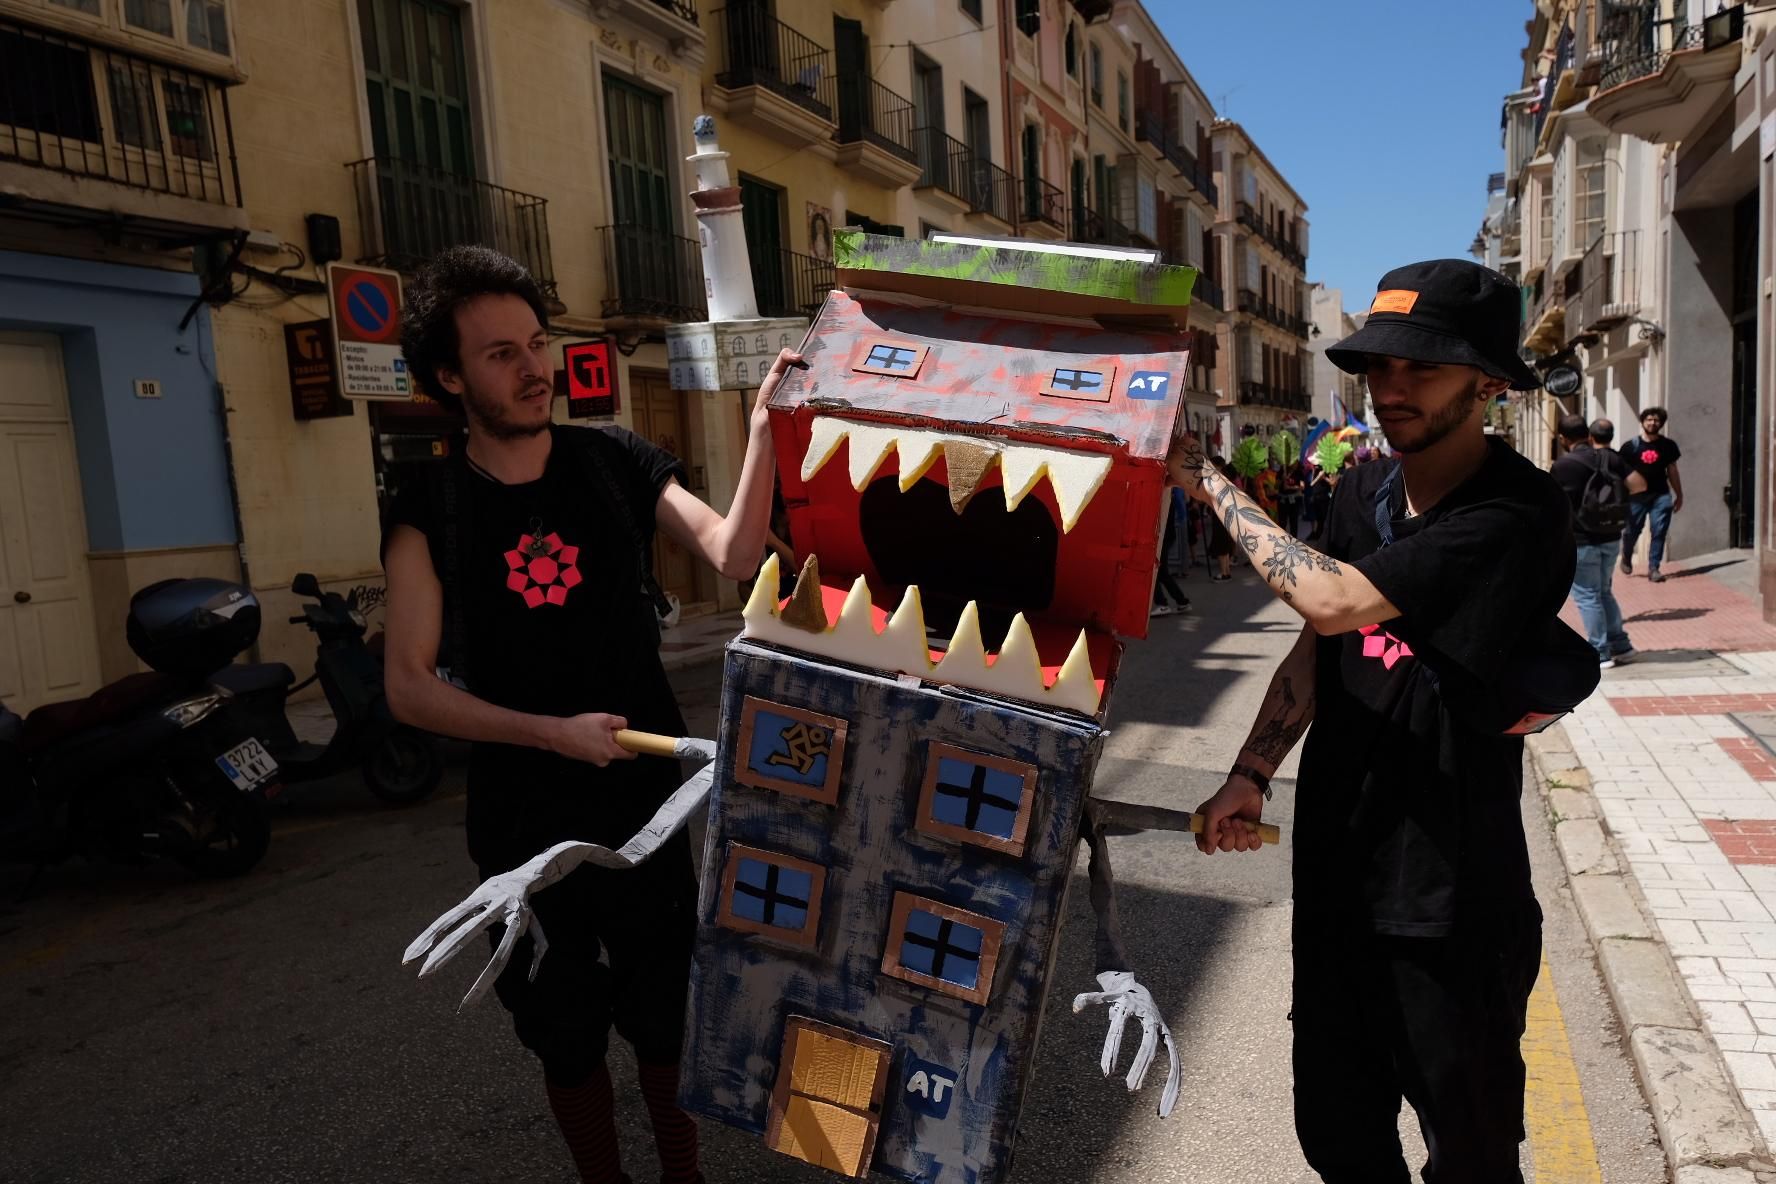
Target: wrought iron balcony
<point>1093,226</point>
<point>1609,293</point>
<point>1264,394</point>
<point>1638,41</point>
<point>952,166</point>
<point>991,191</point>
<point>1208,292</point>
<point>652,275</point>
<point>87,111</point>
<point>871,112</point>
<point>789,284</point>
<point>760,50</point>
<point>1150,128</point>
<point>1042,202</point>
<point>410,212</point>
<point>684,10</point>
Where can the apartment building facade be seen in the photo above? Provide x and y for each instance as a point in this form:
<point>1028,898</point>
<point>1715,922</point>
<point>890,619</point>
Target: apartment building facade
<point>1333,394</point>
<point>1636,212</point>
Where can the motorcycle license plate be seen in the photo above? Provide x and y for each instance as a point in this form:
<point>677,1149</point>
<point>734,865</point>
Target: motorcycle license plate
<point>247,764</point>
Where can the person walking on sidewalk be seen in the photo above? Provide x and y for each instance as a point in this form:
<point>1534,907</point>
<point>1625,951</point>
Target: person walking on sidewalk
<point>1653,456</point>
<point>1164,584</point>
<point>529,551</point>
<point>1595,480</point>
<point>1440,575</point>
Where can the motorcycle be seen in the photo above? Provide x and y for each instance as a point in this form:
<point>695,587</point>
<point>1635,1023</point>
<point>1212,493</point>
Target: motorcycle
<point>150,765</point>
<point>401,764</point>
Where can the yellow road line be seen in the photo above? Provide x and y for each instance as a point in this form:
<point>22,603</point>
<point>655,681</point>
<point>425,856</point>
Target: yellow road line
<point>1553,1107</point>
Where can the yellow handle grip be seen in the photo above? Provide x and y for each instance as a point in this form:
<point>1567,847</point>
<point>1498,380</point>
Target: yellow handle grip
<point>647,743</point>
<point>1266,832</point>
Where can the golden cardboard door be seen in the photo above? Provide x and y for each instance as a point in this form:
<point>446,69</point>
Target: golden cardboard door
<point>827,1105</point>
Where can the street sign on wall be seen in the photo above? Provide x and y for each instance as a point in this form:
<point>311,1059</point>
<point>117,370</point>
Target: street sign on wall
<point>591,379</point>
<point>366,311</point>
<point>314,387</point>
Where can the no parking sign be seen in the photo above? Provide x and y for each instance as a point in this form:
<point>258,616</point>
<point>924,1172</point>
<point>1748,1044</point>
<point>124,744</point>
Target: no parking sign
<point>365,303</point>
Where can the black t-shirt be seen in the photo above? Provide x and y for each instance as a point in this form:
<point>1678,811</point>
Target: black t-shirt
<point>1649,458</point>
<point>555,623</point>
<point>1407,817</point>
<point>1574,471</point>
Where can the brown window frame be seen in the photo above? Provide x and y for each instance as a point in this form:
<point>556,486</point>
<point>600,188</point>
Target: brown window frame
<point>783,1091</point>
<point>992,940</point>
<point>808,937</point>
<point>861,352</point>
<point>828,793</point>
<point>1109,373</point>
<point>925,821</point>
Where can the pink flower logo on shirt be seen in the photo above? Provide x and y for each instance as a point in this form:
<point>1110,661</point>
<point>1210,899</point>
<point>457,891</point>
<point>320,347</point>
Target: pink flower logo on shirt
<point>1378,643</point>
<point>1649,457</point>
<point>543,570</point>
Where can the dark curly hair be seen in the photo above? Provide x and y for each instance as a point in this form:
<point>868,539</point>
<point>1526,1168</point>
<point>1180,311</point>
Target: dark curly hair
<point>453,277</point>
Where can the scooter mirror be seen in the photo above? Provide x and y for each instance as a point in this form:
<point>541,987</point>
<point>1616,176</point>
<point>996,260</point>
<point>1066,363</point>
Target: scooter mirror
<point>306,585</point>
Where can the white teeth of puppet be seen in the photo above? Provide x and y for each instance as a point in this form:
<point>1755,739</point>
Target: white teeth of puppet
<point>901,646</point>
<point>1075,477</point>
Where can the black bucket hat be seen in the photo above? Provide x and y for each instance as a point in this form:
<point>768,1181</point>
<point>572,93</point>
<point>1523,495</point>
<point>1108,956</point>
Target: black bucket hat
<point>1449,311</point>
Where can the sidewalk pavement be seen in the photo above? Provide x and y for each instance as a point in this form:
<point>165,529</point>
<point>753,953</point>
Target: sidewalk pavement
<point>1662,791</point>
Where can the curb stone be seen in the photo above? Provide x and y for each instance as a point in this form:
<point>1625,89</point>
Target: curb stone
<point>1708,1135</point>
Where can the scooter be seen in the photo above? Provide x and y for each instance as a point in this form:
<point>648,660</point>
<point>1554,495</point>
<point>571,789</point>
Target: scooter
<point>149,765</point>
<point>401,764</point>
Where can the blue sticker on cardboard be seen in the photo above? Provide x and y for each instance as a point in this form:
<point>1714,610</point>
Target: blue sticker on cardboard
<point>1149,385</point>
<point>929,1088</point>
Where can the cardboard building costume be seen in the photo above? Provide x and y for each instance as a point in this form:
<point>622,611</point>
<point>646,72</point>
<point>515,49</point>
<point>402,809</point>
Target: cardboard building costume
<point>973,463</point>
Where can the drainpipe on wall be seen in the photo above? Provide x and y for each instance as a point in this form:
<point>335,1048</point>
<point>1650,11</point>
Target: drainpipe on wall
<point>234,510</point>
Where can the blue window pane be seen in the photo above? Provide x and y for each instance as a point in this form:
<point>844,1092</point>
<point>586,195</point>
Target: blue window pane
<point>977,797</point>
<point>891,357</point>
<point>941,948</point>
<point>788,749</point>
<point>1084,382</point>
<point>771,894</point>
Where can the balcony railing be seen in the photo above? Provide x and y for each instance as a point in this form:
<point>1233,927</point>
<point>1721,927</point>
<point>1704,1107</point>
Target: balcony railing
<point>789,284</point>
<point>1609,293</point>
<point>1042,202</point>
<point>684,10</point>
<point>760,50</point>
<point>870,111</point>
<point>1638,41</point>
<point>73,107</point>
<point>1208,292</point>
<point>652,274</point>
<point>1264,394</point>
<point>952,166</point>
<point>1251,302</point>
<point>1093,226</point>
<point>1150,128</point>
<point>410,212</point>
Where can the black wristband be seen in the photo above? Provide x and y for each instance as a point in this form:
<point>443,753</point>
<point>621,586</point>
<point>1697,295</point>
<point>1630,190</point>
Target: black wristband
<point>1252,775</point>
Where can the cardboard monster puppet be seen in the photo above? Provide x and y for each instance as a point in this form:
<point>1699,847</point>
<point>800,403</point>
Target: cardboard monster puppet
<point>973,463</point>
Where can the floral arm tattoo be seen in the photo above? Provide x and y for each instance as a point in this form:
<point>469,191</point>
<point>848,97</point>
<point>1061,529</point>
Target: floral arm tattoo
<point>1288,707</point>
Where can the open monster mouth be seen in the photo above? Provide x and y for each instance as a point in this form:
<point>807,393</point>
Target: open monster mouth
<point>977,469</point>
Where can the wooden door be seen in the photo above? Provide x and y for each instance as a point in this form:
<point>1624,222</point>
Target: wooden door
<point>662,416</point>
<point>48,648</point>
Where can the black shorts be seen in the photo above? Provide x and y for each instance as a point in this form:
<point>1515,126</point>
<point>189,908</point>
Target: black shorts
<point>643,921</point>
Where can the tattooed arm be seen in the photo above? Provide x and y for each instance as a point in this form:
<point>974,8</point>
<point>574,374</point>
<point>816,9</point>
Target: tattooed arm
<point>1330,596</point>
<point>1287,710</point>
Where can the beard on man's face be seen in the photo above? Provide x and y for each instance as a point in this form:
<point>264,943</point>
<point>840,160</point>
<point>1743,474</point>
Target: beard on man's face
<point>499,417</point>
<point>1416,435</point>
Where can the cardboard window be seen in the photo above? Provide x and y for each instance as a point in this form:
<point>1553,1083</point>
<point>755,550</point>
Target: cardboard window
<point>1091,386</point>
<point>970,797</point>
<point>941,947</point>
<point>826,1107</point>
<point>888,357</point>
<point>791,750</point>
<point>772,895</point>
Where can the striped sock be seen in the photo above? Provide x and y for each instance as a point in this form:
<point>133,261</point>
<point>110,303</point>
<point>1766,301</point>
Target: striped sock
<point>585,1115</point>
<point>675,1134</point>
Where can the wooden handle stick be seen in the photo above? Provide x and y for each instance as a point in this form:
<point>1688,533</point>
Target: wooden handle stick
<point>1131,817</point>
<point>652,744</point>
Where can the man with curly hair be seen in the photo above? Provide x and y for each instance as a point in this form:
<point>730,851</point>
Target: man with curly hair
<point>529,550</point>
<point>1417,936</point>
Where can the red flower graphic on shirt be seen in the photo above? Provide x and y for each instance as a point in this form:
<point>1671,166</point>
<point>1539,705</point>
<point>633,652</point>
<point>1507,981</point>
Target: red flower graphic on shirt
<point>1380,644</point>
<point>1649,457</point>
<point>543,570</point>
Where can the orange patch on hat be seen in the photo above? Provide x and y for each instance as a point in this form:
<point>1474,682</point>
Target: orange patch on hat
<point>1398,300</point>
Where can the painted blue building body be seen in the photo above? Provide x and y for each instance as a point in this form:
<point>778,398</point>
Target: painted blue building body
<point>888,859</point>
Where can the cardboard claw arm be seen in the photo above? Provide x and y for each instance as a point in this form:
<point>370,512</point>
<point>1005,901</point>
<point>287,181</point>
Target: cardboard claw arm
<point>505,899</point>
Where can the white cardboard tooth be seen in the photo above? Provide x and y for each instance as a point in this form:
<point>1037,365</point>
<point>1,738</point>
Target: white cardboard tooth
<point>1075,478</point>
<point>854,616</point>
<point>763,601</point>
<point>869,446</point>
<point>918,451</point>
<point>966,659</point>
<point>1020,469</point>
<point>824,437</point>
<point>1075,687</point>
<point>1018,663</point>
<point>904,639</point>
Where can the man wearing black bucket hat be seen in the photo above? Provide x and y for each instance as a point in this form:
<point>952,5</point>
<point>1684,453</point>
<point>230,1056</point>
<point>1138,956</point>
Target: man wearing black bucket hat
<point>1432,644</point>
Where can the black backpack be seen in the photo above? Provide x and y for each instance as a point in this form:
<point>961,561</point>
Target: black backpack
<point>1603,508</point>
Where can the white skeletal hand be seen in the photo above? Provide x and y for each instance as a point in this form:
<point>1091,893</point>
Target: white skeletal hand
<point>1126,998</point>
<point>505,898</point>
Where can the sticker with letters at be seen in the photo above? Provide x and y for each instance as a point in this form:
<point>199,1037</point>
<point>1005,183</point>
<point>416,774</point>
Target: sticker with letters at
<point>1150,385</point>
<point>929,1088</point>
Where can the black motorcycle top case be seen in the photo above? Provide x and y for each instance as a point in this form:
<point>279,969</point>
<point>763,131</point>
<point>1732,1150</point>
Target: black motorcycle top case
<point>192,628</point>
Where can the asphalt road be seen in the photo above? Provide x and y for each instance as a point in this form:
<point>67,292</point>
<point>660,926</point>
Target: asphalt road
<point>159,1030</point>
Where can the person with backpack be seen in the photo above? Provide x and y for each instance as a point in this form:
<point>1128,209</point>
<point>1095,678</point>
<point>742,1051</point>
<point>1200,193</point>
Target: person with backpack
<point>529,551</point>
<point>1595,479</point>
